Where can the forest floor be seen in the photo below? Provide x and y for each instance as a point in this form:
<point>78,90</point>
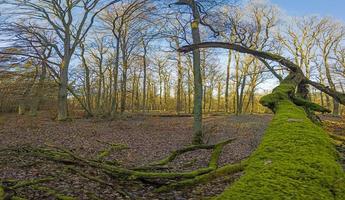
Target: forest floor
<point>336,126</point>
<point>142,140</point>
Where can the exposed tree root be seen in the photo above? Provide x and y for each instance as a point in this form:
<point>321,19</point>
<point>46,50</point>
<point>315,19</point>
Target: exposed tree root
<point>117,171</point>
<point>147,174</point>
<point>107,151</point>
<point>8,187</point>
<point>27,183</point>
<point>53,193</point>
<point>17,198</point>
<point>87,176</point>
<point>220,172</point>
<point>179,152</point>
<point>337,137</point>
<point>217,150</point>
<point>99,180</point>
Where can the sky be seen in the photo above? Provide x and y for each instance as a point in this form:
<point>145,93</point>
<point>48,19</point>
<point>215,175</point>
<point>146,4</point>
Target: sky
<point>299,8</point>
<point>334,8</point>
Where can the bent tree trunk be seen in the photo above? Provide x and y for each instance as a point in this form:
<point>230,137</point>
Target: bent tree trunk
<point>296,159</point>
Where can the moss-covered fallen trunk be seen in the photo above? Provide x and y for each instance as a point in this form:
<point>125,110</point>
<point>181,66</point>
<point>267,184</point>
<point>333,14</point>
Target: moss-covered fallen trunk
<point>295,160</point>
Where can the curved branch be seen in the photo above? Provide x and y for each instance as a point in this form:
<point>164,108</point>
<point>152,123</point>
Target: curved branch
<point>265,55</point>
<point>268,66</point>
<point>340,97</point>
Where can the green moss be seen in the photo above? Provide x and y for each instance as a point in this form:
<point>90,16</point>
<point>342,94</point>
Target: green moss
<point>17,198</point>
<point>167,175</point>
<point>53,193</point>
<point>310,105</point>
<point>295,160</point>
<point>25,183</point>
<point>204,178</point>
<point>337,137</point>
<point>113,147</point>
<point>2,193</point>
<point>279,93</point>
<point>2,120</point>
<point>178,152</point>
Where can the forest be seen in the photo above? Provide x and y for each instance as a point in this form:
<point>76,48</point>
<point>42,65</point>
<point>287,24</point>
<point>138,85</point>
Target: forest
<point>171,99</point>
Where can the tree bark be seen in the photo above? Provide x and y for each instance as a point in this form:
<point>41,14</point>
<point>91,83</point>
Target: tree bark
<point>179,80</point>
<point>124,85</point>
<point>144,75</point>
<point>227,80</point>
<point>62,95</point>
<point>115,74</point>
<point>198,135</point>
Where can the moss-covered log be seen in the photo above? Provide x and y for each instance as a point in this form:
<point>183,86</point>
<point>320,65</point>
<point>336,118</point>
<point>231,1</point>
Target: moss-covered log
<point>296,158</point>
<point>220,172</point>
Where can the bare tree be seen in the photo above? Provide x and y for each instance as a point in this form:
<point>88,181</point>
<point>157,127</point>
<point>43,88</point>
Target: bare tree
<point>57,16</point>
<point>332,35</point>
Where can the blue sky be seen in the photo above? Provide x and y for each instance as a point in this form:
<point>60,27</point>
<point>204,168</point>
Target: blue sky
<point>334,8</point>
<point>299,8</point>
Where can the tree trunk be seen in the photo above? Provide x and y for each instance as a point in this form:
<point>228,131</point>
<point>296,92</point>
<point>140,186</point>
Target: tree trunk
<point>124,86</point>
<point>115,74</point>
<point>160,86</point>
<point>87,83</point>
<point>227,81</point>
<point>21,107</point>
<point>39,91</point>
<point>144,75</point>
<point>219,95</point>
<point>241,95</point>
<point>88,88</point>
<point>100,83</point>
<point>137,103</point>
<point>179,79</point>
<point>204,79</point>
<point>62,95</point>
<point>198,136</point>
<point>237,78</point>
<point>189,86</point>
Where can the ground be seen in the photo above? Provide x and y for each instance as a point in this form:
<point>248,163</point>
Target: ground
<point>147,138</point>
<point>336,126</point>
